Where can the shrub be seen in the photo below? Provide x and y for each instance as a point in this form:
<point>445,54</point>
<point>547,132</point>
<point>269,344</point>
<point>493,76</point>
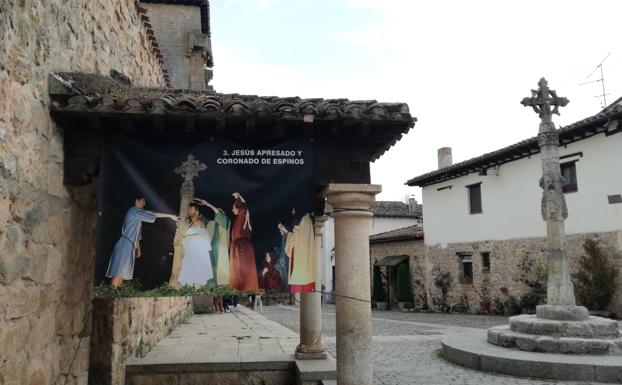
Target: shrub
<point>379,294</point>
<point>595,282</point>
<point>132,289</point>
<point>404,294</point>
<point>532,299</point>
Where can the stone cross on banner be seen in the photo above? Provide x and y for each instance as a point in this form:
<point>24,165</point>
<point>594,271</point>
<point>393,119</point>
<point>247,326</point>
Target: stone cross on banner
<point>188,170</point>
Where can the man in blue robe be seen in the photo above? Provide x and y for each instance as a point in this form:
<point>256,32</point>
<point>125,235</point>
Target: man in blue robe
<point>121,265</point>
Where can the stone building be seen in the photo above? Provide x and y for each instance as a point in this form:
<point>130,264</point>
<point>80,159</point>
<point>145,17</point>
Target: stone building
<point>182,29</point>
<point>391,248</point>
<point>70,70</point>
<point>484,237</point>
<point>388,216</point>
<point>47,227</point>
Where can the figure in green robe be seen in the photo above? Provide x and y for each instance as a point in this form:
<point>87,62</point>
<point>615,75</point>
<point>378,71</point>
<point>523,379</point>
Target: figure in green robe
<point>220,243</point>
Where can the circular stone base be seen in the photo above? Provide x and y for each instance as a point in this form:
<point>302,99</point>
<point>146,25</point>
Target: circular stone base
<point>592,327</point>
<point>472,351</point>
<point>504,337</point>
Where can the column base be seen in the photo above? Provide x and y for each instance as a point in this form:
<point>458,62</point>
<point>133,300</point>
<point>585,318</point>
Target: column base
<point>310,352</point>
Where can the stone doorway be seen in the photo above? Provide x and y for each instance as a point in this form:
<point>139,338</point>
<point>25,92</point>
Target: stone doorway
<point>390,264</point>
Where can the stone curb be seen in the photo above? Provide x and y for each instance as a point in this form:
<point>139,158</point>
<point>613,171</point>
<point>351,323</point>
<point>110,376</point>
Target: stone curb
<point>472,351</point>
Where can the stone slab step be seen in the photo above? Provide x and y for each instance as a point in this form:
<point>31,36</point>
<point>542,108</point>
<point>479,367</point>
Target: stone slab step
<point>312,372</point>
<point>593,327</point>
<point>505,337</point>
<point>473,351</point>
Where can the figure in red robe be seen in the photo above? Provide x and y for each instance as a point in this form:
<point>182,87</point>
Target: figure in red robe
<point>270,278</point>
<point>242,268</point>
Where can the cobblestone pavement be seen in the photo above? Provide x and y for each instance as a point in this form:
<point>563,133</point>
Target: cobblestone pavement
<point>406,346</point>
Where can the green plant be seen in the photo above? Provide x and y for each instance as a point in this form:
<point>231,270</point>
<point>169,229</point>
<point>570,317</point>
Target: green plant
<point>532,299</point>
<point>442,280</point>
<point>512,307</point>
<point>404,293</point>
<point>595,282</point>
<point>379,293</point>
<point>542,272</point>
<point>132,289</point>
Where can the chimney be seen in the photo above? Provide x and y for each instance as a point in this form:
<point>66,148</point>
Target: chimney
<point>412,204</point>
<point>444,157</point>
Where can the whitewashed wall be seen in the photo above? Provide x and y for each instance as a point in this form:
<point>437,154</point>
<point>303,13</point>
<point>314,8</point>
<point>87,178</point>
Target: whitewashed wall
<point>511,201</point>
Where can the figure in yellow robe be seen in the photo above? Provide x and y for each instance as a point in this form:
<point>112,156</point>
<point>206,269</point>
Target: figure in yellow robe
<point>299,246</point>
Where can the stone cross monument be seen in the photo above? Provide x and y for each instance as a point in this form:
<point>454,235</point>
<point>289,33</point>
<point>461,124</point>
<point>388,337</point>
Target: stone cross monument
<point>188,170</point>
<point>560,290</point>
<point>560,326</point>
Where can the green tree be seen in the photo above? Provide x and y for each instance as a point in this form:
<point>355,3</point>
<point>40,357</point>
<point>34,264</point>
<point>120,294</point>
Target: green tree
<point>404,294</point>
<point>379,294</point>
<point>595,282</point>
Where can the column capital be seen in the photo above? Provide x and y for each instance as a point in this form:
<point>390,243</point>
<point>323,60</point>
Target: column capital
<point>344,197</point>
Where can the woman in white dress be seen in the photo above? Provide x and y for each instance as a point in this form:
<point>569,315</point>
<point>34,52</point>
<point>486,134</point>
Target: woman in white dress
<point>196,266</point>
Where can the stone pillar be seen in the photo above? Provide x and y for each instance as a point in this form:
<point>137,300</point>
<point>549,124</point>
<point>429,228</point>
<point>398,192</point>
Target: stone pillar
<point>561,303</point>
<point>311,346</point>
<point>351,204</point>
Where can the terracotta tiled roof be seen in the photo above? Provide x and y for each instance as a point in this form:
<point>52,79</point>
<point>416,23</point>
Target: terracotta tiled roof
<point>567,134</point>
<point>394,209</point>
<point>403,234</point>
<point>102,93</point>
<point>372,126</point>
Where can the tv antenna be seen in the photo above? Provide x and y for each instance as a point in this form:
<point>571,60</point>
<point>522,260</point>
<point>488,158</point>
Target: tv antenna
<point>601,80</point>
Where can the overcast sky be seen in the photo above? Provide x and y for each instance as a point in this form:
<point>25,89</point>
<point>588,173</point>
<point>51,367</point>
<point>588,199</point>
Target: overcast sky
<point>462,66</point>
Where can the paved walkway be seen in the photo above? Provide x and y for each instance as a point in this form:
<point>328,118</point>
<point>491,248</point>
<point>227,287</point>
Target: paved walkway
<point>406,346</point>
<point>231,337</point>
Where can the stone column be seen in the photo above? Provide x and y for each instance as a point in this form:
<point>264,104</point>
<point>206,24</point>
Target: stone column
<point>561,303</point>
<point>311,346</point>
<point>351,204</point>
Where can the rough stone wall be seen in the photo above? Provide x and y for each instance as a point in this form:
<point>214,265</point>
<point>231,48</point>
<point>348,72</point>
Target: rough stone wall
<point>47,231</point>
<point>130,327</point>
<point>505,258</point>
<point>415,250</point>
<point>171,25</point>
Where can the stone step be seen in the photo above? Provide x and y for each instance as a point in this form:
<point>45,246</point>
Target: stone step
<point>315,372</point>
<point>471,350</point>
<point>505,337</point>
<point>593,327</point>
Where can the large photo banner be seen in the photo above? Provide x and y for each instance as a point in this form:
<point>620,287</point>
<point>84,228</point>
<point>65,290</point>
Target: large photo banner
<point>215,213</point>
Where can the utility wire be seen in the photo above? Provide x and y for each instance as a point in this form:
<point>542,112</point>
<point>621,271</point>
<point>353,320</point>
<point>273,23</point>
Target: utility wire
<point>337,295</point>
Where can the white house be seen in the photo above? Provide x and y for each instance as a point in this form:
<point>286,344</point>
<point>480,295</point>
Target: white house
<point>483,217</point>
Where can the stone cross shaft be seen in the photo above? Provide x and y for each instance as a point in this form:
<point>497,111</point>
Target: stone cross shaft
<point>545,102</point>
<point>188,170</point>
